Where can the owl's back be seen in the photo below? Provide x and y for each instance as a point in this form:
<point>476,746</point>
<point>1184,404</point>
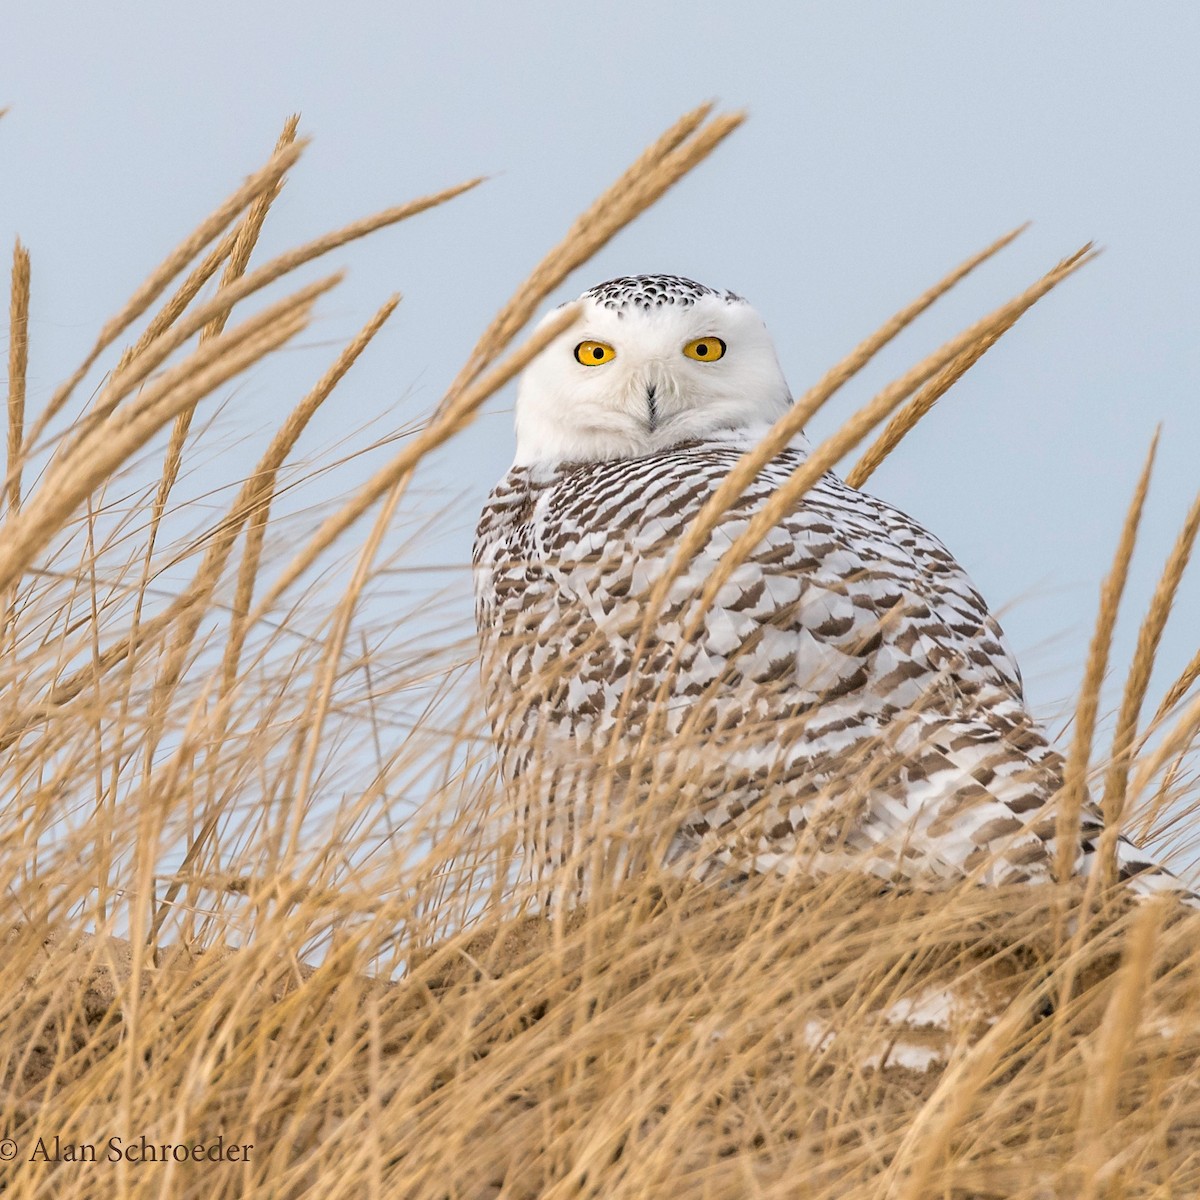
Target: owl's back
<point>848,700</point>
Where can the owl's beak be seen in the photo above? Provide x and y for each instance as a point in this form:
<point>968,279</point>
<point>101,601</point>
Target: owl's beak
<point>651,408</point>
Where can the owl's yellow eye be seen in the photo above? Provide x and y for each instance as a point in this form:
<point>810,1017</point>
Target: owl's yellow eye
<point>594,354</point>
<point>706,349</point>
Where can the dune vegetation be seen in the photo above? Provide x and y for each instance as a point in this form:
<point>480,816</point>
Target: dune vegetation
<point>263,930</point>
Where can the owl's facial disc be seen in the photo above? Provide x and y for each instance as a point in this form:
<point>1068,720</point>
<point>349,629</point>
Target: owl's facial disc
<point>656,360</point>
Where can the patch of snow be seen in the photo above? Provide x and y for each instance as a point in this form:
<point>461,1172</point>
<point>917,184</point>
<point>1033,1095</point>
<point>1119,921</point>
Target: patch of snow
<point>931,1009</point>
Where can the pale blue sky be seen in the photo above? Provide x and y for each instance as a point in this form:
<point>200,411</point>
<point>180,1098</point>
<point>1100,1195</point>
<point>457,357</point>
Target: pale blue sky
<point>886,142</point>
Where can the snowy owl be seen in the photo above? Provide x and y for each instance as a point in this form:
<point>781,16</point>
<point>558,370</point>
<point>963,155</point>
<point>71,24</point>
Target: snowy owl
<point>848,701</point>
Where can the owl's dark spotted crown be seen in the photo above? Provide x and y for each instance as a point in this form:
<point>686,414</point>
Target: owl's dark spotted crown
<point>648,292</point>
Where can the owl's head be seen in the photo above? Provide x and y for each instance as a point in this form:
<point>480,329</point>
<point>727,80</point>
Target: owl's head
<point>655,360</point>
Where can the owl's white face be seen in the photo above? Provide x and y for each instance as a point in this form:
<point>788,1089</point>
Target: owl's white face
<point>656,360</point>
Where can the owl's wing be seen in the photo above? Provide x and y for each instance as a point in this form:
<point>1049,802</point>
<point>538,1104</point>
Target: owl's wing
<point>897,706</point>
<point>853,597</point>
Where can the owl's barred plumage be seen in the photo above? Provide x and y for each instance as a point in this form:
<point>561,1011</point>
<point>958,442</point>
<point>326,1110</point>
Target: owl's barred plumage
<point>849,701</point>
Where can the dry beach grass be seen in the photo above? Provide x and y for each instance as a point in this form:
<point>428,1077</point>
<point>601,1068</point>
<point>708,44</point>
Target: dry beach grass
<point>218,923</point>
